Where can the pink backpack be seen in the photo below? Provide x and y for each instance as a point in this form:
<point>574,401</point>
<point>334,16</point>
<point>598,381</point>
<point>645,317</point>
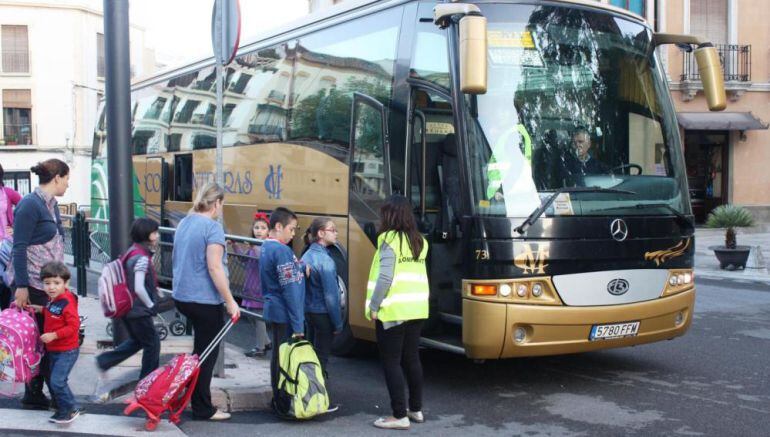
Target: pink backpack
<point>20,347</point>
<point>114,294</point>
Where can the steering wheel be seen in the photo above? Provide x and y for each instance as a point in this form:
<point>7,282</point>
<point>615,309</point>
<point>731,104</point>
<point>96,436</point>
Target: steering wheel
<point>625,166</point>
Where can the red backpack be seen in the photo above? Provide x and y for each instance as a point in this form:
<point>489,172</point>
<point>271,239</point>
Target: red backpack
<point>114,294</point>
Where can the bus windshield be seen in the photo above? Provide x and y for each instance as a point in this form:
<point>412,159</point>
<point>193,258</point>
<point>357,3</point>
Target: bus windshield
<point>575,98</point>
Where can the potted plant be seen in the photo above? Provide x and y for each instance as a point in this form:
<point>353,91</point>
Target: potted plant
<point>10,140</point>
<point>730,256</point>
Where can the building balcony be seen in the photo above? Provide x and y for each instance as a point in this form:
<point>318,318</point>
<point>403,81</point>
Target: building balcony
<point>15,61</point>
<point>736,68</point>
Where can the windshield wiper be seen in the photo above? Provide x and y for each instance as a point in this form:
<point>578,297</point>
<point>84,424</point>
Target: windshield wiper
<point>544,206</point>
<point>681,218</point>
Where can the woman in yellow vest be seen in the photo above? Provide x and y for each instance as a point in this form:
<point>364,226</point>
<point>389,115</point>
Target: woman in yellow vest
<point>397,300</point>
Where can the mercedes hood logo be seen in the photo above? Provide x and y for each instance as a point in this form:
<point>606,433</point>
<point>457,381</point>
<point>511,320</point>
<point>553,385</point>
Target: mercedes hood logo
<point>618,230</point>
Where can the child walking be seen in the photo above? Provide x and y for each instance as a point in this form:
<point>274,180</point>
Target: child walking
<point>252,286</point>
<point>60,335</point>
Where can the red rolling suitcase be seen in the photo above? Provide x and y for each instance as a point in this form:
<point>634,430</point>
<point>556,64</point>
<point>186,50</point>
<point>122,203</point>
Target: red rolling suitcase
<point>170,387</point>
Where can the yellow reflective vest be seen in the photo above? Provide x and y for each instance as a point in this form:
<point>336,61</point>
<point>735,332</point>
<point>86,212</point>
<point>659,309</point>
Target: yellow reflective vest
<point>407,298</point>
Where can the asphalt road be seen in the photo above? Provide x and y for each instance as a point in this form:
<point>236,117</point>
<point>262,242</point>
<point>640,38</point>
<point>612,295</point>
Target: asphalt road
<point>713,381</point>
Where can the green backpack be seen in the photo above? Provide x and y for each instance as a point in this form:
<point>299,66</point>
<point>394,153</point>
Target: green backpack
<point>301,387</point>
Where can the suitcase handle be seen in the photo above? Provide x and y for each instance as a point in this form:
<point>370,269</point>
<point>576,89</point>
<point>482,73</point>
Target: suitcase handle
<point>215,342</point>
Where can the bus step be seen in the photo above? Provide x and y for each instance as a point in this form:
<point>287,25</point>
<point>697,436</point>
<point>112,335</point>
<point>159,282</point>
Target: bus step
<point>448,343</point>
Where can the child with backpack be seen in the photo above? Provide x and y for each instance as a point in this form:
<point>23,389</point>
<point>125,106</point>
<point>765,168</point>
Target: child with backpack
<point>60,336</point>
<point>252,285</point>
<point>142,281</point>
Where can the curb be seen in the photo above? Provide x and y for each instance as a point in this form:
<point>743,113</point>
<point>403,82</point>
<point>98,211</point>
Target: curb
<point>720,277</point>
<point>241,398</point>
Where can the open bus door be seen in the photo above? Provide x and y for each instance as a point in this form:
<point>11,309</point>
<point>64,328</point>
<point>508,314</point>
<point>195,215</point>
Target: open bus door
<point>369,186</point>
<point>434,190</point>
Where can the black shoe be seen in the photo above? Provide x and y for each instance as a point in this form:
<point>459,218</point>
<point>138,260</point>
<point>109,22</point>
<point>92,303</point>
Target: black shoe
<point>35,404</point>
<point>65,418</point>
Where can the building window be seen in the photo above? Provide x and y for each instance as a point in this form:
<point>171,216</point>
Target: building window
<point>100,55</point>
<point>635,6</point>
<point>708,19</point>
<point>18,180</point>
<point>17,117</point>
<point>15,47</point>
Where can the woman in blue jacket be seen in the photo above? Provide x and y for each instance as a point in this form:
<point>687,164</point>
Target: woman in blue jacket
<point>322,300</point>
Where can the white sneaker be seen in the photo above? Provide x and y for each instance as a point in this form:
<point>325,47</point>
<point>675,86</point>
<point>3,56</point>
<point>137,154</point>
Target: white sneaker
<point>415,416</point>
<point>220,415</point>
<point>392,423</point>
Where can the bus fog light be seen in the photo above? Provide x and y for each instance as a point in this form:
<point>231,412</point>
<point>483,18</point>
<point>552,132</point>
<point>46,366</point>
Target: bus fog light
<point>537,290</point>
<point>521,290</point>
<point>519,335</point>
<point>679,318</point>
<point>505,290</point>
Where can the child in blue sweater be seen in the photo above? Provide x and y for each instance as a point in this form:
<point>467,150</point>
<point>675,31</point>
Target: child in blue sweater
<point>283,285</point>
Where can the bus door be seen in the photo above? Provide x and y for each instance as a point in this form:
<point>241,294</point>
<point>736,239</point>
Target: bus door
<point>370,186</point>
<point>434,190</point>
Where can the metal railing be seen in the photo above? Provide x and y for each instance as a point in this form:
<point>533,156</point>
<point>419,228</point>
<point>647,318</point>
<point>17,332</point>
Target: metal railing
<point>87,240</point>
<point>735,60</point>
<point>14,134</point>
<point>15,61</point>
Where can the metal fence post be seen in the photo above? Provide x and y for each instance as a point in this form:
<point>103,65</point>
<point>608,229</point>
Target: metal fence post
<point>80,251</point>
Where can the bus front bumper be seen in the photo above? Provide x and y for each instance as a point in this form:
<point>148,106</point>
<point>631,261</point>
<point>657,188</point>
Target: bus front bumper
<point>489,327</point>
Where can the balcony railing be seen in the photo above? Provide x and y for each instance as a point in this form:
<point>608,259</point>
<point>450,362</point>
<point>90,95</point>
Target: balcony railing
<point>735,59</point>
<point>17,134</point>
<point>15,61</point>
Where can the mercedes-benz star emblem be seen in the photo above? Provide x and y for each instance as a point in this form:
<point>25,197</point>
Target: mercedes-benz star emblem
<point>618,230</point>
<point>617,286</point>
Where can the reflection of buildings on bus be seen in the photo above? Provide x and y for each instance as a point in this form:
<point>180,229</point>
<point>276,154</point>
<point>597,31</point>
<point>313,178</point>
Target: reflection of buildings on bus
<point>52,72</point>
<point>261,89</point>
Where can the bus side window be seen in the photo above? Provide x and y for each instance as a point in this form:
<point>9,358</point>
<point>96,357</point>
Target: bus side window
<point>183,178</point>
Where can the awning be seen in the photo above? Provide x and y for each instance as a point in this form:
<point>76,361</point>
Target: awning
<point>719,121</point>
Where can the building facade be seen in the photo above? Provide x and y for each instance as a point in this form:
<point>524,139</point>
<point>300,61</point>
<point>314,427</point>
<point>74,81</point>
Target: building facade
<point>51,82</point>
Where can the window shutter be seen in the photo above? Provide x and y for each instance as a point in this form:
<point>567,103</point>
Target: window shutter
<point>708,19</point>
<point>17,99</point>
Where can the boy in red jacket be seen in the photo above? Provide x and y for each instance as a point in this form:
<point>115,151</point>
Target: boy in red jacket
<point>61,338</point>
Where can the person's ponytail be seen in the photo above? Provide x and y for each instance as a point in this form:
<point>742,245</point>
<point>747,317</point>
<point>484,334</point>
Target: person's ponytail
<point>47,170</point>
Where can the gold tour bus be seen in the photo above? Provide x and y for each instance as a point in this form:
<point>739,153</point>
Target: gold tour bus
<point>537,141</point>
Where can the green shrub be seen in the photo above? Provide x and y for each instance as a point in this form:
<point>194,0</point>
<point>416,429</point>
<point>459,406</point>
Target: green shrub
<point>730,217</point>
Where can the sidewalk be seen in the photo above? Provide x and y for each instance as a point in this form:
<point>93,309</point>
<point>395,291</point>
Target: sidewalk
<point>707,266</point>
<point>246,386</point>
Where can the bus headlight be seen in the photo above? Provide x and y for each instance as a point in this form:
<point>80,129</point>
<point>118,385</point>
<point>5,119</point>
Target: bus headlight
<point>679,280</point>
<point>533,291</point>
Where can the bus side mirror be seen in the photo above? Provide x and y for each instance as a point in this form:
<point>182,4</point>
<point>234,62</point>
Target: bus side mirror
<point>710,71</point>
<point>709,67</point>
<point>473,54</point>
<point>472,42</point>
